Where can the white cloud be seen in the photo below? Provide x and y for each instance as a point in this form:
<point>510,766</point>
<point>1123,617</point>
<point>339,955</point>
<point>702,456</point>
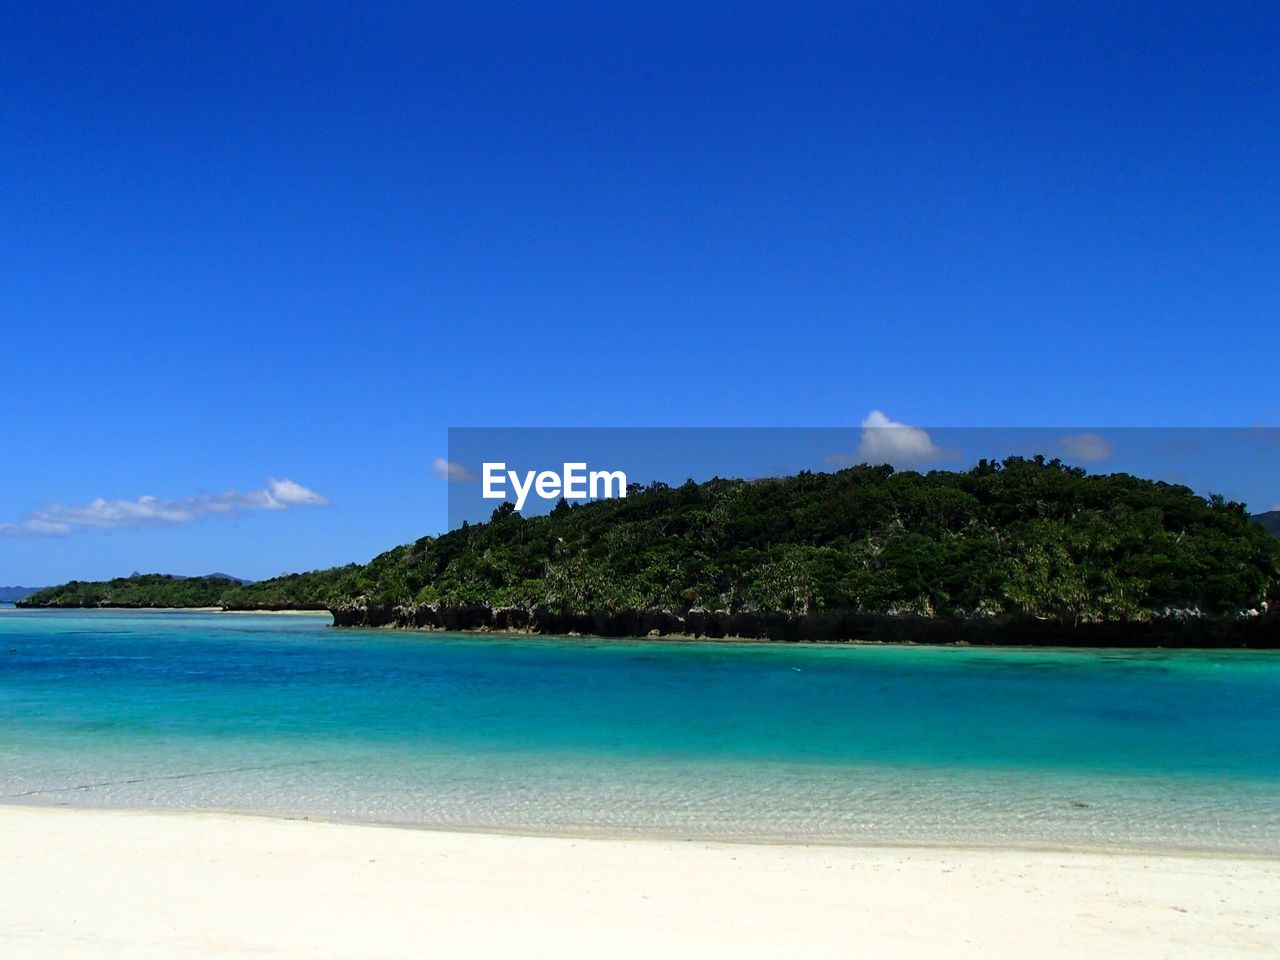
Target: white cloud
<point>58,519</point>
<point>453,472</point>
<point>283,494</point>
<point>887,441</point>
<point>1088,447</point>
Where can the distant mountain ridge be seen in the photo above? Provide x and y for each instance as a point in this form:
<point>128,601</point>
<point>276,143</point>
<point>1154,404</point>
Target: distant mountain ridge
<point>14,594</point>
<point>203,576</point>
<point>1269,521</point>
<point>226,576</point>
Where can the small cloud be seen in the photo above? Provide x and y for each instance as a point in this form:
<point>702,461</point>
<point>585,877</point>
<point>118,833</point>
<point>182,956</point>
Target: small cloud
<point>58,519</point>
<point>1088,447</point>
<point>453,472</point>
<point>283,494</point>
<point>887,441</point>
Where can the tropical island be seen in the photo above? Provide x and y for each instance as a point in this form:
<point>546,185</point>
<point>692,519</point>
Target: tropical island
<point>1014,551</point>
<point>139,591</point>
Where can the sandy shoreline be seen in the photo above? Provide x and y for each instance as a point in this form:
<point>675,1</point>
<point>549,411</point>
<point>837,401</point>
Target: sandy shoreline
<point>277,613</point>
<point>77,883</point>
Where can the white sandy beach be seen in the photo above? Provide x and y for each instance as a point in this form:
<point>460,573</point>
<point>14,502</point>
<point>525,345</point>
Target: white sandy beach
<point>107,884</point>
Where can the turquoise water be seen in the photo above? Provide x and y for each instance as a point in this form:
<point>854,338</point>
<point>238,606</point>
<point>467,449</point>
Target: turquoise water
<point>825,744</point>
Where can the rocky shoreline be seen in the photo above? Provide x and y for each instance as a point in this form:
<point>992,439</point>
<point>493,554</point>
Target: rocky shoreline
<point>1256,631</point>
<point>1180,629</point>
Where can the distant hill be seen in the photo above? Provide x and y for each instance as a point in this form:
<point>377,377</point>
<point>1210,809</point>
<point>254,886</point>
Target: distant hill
<point>139,590</point>
<point>226,576</point>
<point>14,594</point>
<point>299,591</point>
<point>207,576</point>
<point>1269,521</point>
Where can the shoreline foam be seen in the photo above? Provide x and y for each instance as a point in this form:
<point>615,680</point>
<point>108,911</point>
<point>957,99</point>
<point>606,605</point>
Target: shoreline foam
<point>613,834</point>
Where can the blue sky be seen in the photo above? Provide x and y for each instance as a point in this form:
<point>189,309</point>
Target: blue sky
<point>251,241</point>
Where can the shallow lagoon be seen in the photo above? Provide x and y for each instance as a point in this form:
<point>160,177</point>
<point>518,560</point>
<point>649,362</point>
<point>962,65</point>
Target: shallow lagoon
<point>908,744</point>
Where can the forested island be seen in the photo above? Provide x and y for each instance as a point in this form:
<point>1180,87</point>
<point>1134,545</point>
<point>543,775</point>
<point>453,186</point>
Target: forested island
<point>1020,550</point>
<point>141,590</point>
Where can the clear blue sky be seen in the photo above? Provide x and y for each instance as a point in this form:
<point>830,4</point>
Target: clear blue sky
<point>245,241</point>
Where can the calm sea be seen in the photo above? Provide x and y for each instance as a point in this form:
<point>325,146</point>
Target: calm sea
<point>751,742</point>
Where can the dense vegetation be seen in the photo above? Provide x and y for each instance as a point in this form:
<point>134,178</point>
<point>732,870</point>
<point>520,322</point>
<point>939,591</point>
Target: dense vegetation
<point>1025,536</point>
<point>1018,536</point>
<point>139,590</point>
<point>314,590</point>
